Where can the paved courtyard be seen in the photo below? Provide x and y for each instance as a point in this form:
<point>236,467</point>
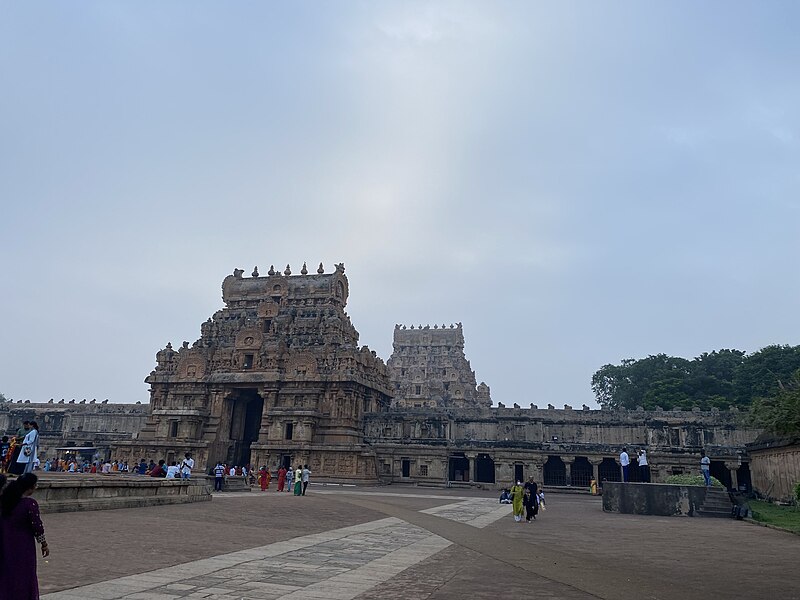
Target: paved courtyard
<point>403,543</point>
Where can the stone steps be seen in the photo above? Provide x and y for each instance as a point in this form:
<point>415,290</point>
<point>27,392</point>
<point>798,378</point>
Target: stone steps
<point>717,504</point>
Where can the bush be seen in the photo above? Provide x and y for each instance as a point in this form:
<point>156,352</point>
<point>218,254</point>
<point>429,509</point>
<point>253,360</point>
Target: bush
<point>797,493</point>
<point>692,480</point>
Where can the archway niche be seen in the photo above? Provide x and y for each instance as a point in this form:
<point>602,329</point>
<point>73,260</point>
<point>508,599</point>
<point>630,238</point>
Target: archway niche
<point>581,472</point>
<point>484,469</point>
<point>555,471</point>
<point>609,470</point>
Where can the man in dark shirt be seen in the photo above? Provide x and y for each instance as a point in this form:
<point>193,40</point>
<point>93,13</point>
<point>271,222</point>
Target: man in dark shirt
<point>158,470</point>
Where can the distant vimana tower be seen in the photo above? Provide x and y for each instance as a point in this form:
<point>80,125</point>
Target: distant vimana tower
<point>276,377</point>
<point>429,369</point>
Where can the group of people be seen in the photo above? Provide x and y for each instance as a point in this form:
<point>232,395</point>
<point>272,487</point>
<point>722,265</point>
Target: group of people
<point>289,479</point>
<point>641,461</point>
<point>19,453</point>
<point>527,498</point>
<point>20,529</point>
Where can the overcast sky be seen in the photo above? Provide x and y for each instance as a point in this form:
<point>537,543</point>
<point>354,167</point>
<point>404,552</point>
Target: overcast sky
<point>577,183</point>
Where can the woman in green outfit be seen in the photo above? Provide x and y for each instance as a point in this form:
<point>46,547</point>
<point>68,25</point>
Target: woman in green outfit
<point>516,501</point>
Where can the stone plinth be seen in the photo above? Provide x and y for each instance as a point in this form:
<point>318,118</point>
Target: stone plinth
<point>659,499</point>
<point>77,492</point>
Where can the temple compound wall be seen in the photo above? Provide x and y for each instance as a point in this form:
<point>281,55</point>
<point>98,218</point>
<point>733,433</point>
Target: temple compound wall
<point>443,429</point>
<point>62,424</point>
<point>277,377</point>
<point>555,446</point>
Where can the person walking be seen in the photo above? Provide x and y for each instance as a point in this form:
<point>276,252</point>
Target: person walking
<point>30,443</point>
<point>263,478</point>
<point>305,475</point>
<point>644,468</point>
<point>298,479</point>
<point>531,500</point>
<point>625,461</point>
<point>705,467</point>
<point>20,528</point>
<point>289,479</point>
<point>517,492</point>
<point>281,478</point>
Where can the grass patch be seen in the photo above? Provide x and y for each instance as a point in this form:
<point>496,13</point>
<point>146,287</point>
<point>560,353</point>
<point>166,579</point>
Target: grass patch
<point>693,480</point>
<point>787,517</point>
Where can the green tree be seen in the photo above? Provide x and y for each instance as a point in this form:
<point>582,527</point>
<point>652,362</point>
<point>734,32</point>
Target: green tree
<point>780,412</point>
<point>658,380</point>
<point>762,373</point>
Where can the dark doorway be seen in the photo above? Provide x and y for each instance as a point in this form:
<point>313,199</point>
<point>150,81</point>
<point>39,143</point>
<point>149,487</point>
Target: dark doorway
<point>721,472</point>
<point>459,467</point>
<point>286,461</point>
<point>406,467</point>
<point>245,424</point>
<point>743,477</point>
<point>519,472</point>
<point>581,472</point>
<point>484,469</point>
<point>609,470</point>
<point>555,471</point>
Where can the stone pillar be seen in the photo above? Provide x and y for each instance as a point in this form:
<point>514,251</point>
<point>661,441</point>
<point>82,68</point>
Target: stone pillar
<point>734,471</point>
<point>568,470</point>
<point>595,462</point>
<point>471,458</point>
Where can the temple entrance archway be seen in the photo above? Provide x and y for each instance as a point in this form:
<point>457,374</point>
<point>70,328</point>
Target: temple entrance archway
<point>484,469</point>
<point>246,410</point>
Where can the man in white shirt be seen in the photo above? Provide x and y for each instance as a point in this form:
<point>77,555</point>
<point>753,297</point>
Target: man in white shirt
<point>705,467</point>
<point>644,468</point>
<point>172,471</point>
<point>625,461</point>
<point>187,465</point>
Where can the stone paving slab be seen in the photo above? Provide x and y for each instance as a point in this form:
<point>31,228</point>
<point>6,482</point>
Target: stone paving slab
<point>339,564</point>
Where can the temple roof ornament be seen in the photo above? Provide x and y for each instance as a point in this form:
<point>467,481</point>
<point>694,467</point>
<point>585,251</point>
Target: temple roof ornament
<point>320,269</point>
<point>255,271</point>
<point>287,271</point>
<point>304,270</point>
<point>271,271</point>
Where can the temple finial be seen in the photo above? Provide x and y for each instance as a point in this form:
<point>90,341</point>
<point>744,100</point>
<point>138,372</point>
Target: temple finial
<point>320,269</point>
<point>255,271</point>
<point>304,270</point>
<point>287,271</point>
<point>271,270</point>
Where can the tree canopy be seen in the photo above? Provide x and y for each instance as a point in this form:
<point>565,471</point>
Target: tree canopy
<point>780,412</point>
<point>717,379</point>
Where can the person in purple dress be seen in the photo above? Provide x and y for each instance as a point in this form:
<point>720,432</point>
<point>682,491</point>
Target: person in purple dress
<point>20,529</point>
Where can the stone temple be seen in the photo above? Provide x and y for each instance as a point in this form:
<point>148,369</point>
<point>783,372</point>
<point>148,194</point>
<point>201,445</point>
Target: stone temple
<point>277,377</point>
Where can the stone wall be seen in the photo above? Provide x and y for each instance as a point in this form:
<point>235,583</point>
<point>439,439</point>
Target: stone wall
<point>495,446</point>
<point>775,466</point>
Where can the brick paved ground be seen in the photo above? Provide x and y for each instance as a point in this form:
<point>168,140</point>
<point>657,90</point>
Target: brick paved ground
<point>401,543</point>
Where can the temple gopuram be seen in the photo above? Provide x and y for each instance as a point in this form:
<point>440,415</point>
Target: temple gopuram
<point>277,377</point>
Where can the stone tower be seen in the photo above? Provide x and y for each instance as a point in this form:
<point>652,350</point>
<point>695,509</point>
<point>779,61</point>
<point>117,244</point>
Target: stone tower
<point>429,369</point>
<point>276,377</point>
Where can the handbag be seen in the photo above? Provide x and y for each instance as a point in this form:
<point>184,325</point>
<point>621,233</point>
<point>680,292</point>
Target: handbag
<point>27,450</point>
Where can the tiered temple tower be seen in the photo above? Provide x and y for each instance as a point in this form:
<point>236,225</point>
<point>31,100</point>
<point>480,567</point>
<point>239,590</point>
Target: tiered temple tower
<point>276,377</point>
<point>429,369</point>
